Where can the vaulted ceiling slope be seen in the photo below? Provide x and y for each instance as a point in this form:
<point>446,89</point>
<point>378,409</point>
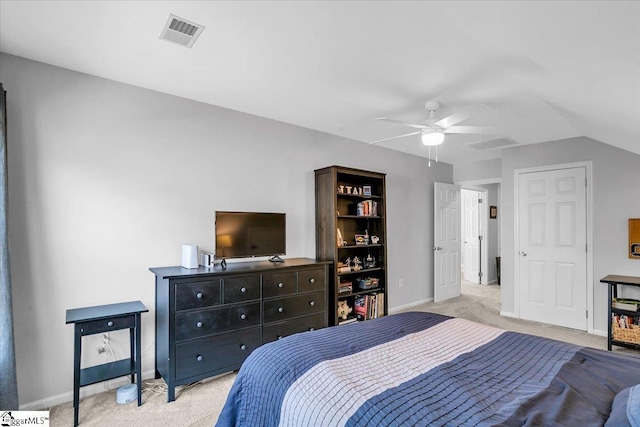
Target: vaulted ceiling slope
<point>548,70</point>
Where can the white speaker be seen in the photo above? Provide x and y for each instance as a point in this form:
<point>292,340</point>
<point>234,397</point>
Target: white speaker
<point>190,256</point>
<point>127,393</point>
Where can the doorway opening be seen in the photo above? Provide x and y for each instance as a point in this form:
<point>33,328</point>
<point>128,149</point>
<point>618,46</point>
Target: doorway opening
<point>480,232</point>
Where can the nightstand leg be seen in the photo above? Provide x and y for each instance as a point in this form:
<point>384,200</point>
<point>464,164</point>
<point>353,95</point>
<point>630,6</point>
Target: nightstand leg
<point>77,350</point>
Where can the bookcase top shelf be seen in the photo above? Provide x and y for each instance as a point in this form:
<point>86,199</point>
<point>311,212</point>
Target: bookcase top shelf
<point>364,270</point>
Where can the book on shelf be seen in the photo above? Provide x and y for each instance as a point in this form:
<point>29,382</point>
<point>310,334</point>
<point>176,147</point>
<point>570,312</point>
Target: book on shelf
<point>625,322</point>
<point>367,208</point>
<point>625,304</point>
<point>369,306</point>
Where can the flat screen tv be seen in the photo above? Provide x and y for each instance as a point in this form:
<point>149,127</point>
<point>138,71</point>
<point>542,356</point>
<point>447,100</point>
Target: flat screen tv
<point>250,234</point>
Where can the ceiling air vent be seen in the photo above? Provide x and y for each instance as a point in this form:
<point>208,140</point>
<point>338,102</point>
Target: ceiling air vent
<point>180,31</point>
<point>494,143</point>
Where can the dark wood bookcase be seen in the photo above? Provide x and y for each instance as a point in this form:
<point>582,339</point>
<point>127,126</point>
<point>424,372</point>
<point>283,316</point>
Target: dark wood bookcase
<point>339,191</point>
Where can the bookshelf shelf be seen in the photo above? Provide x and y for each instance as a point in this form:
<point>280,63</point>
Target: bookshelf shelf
<point>343,209</point>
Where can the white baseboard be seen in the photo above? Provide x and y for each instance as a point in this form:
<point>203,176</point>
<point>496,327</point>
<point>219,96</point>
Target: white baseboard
<point>400,308</point>
<point>599,332</point>
<point>508,314</point>
<point>89,390</point>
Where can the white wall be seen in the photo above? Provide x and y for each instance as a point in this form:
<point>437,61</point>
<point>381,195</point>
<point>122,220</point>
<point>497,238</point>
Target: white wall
<point>616,198</point>
<point>107,180</point>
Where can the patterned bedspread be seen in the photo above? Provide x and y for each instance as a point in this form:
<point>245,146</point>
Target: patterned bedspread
<point>426,369</point>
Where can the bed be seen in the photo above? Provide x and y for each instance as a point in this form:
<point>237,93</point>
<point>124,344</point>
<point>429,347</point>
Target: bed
<point>422,369</point>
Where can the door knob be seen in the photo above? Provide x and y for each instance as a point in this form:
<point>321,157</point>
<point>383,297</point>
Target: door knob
<point>523,253</point>
<point>437,248</point>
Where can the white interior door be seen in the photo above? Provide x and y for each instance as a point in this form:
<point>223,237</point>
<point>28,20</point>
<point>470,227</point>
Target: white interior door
<point>471,227</point>
<point>552,252</point>
<point>447,245</point>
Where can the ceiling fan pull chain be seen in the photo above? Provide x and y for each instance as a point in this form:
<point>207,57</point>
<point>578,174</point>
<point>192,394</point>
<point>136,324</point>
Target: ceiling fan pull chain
<point>429,156</point>
<point>436,154</point>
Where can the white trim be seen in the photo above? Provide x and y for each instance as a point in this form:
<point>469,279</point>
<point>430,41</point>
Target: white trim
<point>509,314</point>
<point>480,182</point>
<point>588,165</point>
<point>401,308</point>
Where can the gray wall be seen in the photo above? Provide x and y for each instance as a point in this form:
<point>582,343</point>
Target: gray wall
<point>107,180</point>
<point>616,198</point>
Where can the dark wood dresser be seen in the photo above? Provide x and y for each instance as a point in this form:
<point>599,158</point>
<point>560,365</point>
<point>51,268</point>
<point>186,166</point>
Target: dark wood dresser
<point>208,320</point>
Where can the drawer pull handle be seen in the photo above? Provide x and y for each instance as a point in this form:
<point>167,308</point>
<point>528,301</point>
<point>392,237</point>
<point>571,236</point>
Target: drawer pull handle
<point>312,280</point>
<point>243,290</point>
<point>199,358</point>
<point>199,295</point>
<point>280,309</point>
<point>243,347</point>
<point>199,324</point>
<point>280,285</point>
<point>243,316</point>
<point>110,323</point>
<point>312,303</point>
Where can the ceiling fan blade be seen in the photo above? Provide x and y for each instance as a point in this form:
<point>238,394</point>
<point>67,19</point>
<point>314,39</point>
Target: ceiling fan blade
<point>396,137</point>
<point>413,125</point>
<point>462,115</point>
<point>480,130</point>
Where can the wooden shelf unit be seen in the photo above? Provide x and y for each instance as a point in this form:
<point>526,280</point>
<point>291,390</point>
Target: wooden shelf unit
<point>338,210</point>
<point>614,281</point>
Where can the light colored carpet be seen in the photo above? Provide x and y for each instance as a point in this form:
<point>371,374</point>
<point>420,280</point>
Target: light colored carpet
<point>199,405</point>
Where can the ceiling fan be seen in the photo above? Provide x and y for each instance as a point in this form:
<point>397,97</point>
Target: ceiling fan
<point>432,131</point>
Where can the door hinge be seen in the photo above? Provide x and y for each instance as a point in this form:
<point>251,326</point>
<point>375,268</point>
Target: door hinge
<point>585,182</point>
<point>586,314</point>
<point>480,274</point>
<point>480,237</point>
<point>480,201</point>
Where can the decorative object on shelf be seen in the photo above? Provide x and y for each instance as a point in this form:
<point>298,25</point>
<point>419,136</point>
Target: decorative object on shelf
<point>634,238</point>
<point>340,189</point>
<point>357,264</point>
<point>361,239</point>
<point>369,262</point>
<point>344,267</point>
<point>339,238</point>
<point>368,283</point>
<point>493,212</point>
<point>343,310</point>
<point>366,190</point>
<point>375,240</point>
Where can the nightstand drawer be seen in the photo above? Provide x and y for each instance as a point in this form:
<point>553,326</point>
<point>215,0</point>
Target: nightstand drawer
<point>195,324</point>
<point>276,331</point>
<point>295,306</point>
<point>197,294</point>
<point>311,280</point>
<point>240,289</point>
<point>214,354</point>
<point>106,325</point>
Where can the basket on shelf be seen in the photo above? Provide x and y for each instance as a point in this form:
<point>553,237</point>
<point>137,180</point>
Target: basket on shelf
<point>631,334</point>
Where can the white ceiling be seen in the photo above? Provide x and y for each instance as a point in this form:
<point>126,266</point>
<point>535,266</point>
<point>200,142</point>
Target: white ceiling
<point>550,70</point>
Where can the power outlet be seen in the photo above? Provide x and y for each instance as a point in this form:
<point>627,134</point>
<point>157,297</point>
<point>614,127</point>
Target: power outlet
<point>400,283</point>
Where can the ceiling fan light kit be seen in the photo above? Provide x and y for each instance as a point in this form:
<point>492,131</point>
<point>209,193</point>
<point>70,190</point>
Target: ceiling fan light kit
<point>432,138</point>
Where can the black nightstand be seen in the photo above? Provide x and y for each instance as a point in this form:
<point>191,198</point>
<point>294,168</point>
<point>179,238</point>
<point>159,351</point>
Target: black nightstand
<point>100,319</point>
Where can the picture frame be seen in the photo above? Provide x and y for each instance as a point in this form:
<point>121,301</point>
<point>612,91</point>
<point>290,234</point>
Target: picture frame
<point>366,190</point>
<point>493,212</point>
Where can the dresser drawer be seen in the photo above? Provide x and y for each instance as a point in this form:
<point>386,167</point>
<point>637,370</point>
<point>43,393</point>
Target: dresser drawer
<point>311,280</point>
<point>106,325</point>
<point>275,331</point>
<point>280,284</point>
<point>294,306</point>
<point>239,289</point>
<point>217,353</point>
<point>195,324</point>
<point>197,294</point>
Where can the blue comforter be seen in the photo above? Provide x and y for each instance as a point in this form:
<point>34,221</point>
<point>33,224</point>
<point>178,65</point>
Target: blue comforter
<point>426,369</point>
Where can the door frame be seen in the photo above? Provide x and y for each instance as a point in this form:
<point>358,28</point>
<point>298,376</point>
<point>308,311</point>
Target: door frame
<point>588,165</point>
<point>484,222</point>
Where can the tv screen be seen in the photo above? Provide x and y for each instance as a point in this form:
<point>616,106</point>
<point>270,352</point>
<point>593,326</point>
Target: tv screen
<point>250,234</point>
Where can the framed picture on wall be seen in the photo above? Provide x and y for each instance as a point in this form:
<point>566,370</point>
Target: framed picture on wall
<point>493,212</point>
